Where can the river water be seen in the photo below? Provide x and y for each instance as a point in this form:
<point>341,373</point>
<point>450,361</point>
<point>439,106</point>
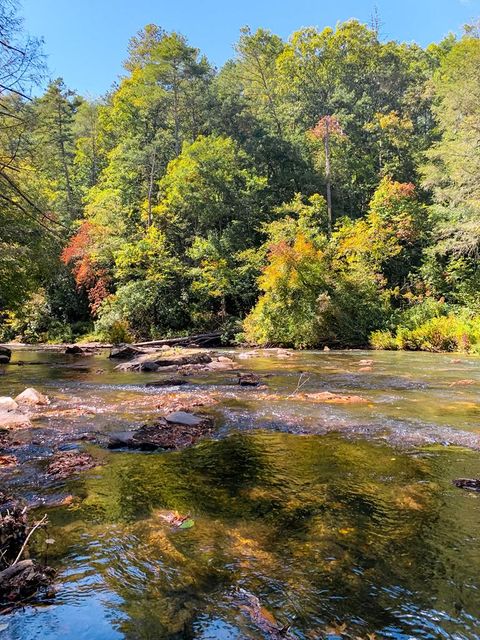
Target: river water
<point>341,519</point>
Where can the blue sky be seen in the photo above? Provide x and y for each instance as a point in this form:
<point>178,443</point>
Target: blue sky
<point>86,40</point>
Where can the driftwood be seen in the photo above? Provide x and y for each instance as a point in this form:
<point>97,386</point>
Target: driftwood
<point>197,340</point>
<point>20,579</point>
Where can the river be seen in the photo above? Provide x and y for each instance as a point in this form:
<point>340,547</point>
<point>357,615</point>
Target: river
<point>341,518</point>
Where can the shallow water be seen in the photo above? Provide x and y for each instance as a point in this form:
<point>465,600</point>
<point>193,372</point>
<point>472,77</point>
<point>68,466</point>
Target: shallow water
<point>341,519</point>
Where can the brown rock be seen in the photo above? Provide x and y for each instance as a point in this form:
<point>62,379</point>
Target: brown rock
<point>333,398</point>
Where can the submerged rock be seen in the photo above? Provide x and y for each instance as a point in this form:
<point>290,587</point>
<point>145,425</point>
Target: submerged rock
<point>365,363</point>
<point>261,617</point>
<point>5,355</point>
<point>463,383</point>
<point>178,430</point>
<point>32,397</point>
<point>168,382</point>
<point>333,398</point>
<point>69,463</point>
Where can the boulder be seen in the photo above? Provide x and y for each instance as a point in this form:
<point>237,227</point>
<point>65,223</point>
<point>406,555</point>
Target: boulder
<point>7,404</point>
<point>5,355</point>
<point>147,366</point>
<point>176,432</point>
<point>184,418</point>
<point>74,350</point>
<point>32,397</point>
<point>194,358</point>
<point>125,353</point>
<point>165,361</point>
<point>14,420</point>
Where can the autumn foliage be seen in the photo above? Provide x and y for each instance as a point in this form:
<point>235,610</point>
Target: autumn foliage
<point>87,274</point>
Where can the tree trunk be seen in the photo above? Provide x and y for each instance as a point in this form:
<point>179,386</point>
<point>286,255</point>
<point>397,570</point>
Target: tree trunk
<point>150,188</point>
<point>328,177</point>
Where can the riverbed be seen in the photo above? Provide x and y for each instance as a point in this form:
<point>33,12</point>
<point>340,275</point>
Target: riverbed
<point>339,516</point>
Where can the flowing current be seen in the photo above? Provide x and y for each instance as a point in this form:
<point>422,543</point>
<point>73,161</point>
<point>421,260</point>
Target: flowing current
<point>337,520</point>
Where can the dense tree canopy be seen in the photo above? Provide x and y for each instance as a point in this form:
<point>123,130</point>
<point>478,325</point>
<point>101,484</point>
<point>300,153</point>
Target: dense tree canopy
<point>319,190</point>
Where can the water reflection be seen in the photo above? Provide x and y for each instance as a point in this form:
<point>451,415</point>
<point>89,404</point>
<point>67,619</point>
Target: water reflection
<point>324,531</point>
<point>333,534</point>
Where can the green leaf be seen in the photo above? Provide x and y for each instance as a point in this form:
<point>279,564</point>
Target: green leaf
<point>187,524</point>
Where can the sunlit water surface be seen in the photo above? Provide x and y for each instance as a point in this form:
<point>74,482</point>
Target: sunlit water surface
<point>341,519</point>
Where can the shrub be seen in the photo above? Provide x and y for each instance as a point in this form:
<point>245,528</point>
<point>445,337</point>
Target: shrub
<point>451,332</point>
<point>383,340</point>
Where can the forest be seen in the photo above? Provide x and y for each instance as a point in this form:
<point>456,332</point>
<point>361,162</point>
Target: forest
<point>322,190</point>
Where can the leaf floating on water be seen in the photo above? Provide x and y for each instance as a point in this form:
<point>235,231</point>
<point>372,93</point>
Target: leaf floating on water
<point>336,630</point>
<point>347,531</point>
<point>176,520</point>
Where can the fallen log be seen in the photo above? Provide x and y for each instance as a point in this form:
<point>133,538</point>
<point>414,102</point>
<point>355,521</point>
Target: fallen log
<point>199,340</point>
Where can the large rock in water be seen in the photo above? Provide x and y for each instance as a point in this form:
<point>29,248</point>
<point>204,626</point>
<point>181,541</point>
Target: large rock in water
<point>5,355</point>
<point>125,353</point>
<point>179,430</point>
<point>74,350</point>
<point>10,416</point>
<point>32,397</point>
<point>167,361</point>
<point>7,404</point>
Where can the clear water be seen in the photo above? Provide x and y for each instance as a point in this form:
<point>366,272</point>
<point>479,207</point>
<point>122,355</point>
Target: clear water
<point>341,519</point>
